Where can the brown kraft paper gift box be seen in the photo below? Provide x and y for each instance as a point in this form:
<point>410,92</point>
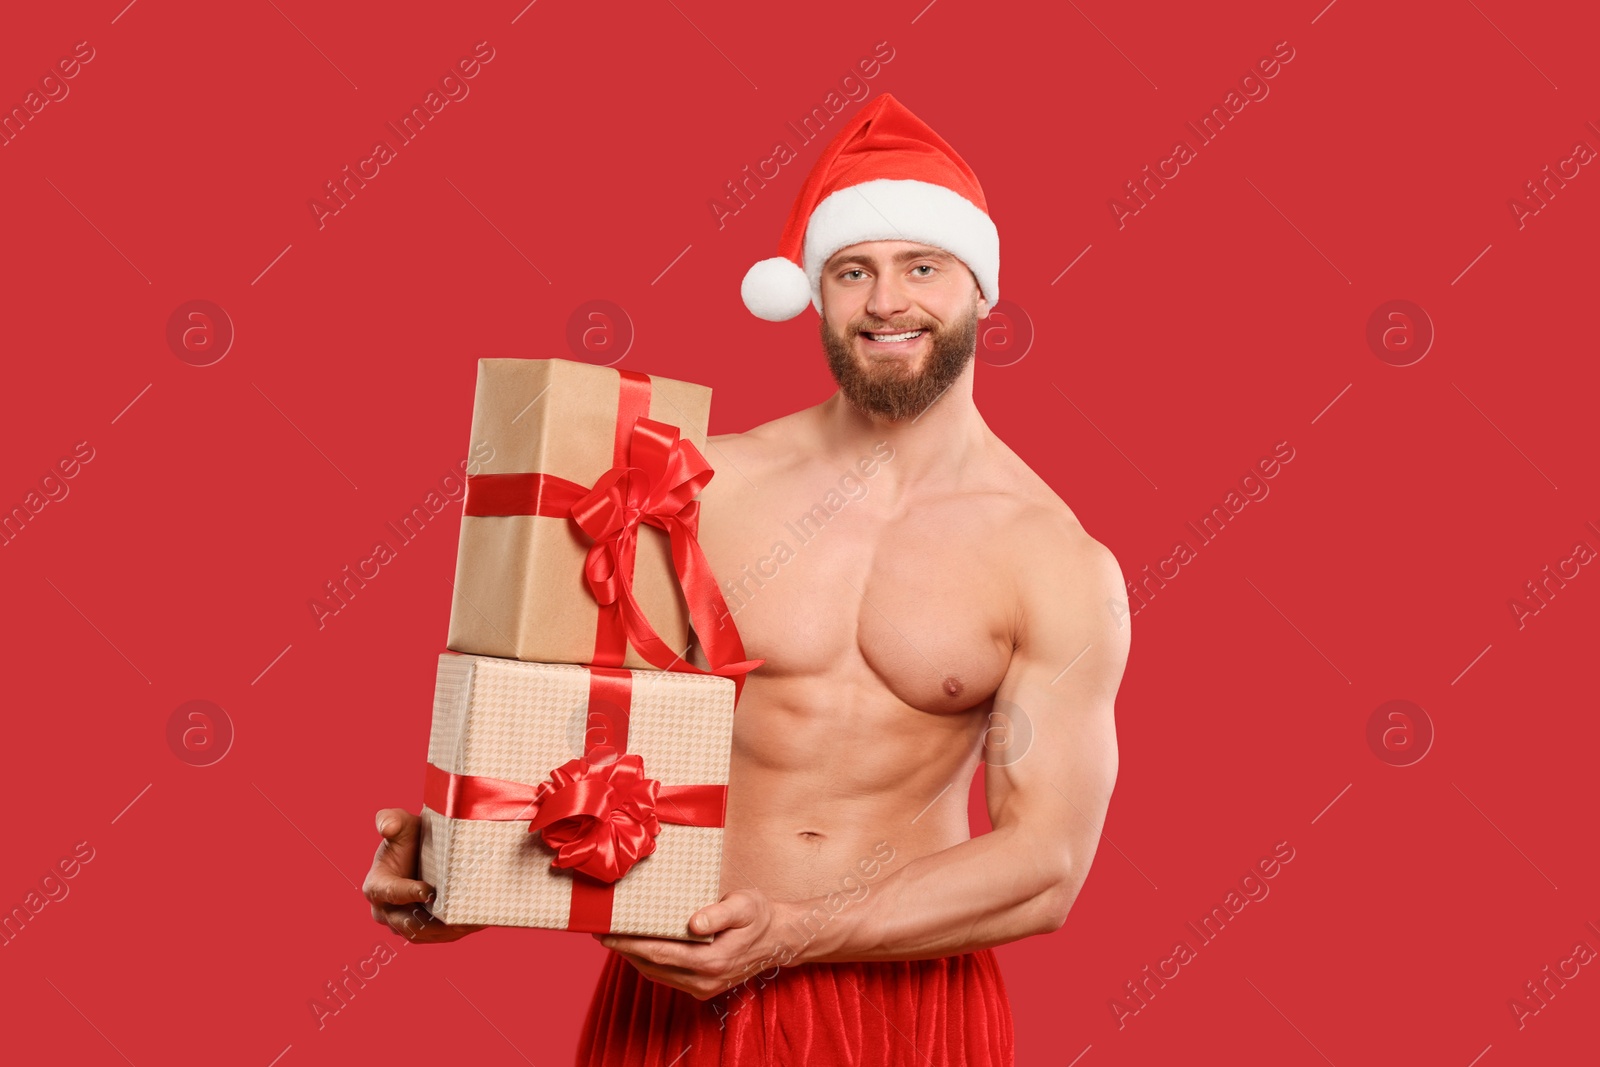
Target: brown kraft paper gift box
<point>513,723</point>
<point>520,591</point>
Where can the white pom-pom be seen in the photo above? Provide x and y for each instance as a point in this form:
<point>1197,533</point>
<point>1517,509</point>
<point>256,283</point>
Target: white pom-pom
<point>776,289</point>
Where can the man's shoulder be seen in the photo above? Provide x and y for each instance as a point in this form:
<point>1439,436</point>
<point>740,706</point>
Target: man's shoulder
<point>1052,539</point>
<point>1068,586</point>
<point>1056,559</point>
<point>759,449</point>
<point>1037,510</point>
<point>769,437</point>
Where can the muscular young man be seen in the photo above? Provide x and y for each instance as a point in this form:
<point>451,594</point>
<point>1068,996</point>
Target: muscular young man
<point>922,601</point>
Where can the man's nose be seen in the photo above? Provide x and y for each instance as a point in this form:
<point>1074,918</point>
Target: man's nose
<point>887,299</point>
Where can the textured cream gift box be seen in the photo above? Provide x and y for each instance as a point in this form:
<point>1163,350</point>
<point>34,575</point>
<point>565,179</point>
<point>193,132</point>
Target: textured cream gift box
<point>519,586</point>
<point>503,718</point>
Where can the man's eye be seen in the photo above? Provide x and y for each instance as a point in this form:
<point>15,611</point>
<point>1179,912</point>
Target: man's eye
<point>923,266</point>
<point>847,273</point>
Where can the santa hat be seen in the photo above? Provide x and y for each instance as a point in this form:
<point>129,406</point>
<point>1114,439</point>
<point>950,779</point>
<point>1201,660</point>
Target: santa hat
<point>885,177</point>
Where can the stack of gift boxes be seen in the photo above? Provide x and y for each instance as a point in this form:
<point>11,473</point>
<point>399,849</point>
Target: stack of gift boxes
<point>578,762</point>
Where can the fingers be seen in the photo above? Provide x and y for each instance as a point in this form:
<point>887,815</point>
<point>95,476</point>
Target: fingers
<point>674,976</point>
<point>660,951</point>
<point>389,881</point>
<point>381,887</point>
<point>401,831</point>
<point>697,986</point>
<point>398,900</point>
<point>735,910</point>
<point>397,825</point>
<point>413,923</point>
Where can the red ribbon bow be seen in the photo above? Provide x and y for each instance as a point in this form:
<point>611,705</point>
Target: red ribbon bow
<point>657,486</point>
<point>600,818</point>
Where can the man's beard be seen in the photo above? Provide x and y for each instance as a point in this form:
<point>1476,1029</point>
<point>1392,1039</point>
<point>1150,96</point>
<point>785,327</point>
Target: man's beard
<point>887,389</point>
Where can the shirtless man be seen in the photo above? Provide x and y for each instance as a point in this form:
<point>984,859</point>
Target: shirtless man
<point>954,611</point>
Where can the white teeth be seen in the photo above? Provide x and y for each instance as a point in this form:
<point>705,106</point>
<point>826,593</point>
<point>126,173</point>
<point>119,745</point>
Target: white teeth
<point>890,337</point>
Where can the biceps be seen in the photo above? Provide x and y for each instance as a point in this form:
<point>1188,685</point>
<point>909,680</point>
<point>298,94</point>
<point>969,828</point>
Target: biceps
<point>1053,783</point>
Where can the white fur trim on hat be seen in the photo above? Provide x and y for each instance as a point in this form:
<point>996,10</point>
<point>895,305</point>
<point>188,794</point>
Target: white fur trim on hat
<point>894,209</point>
<point>775,289</point>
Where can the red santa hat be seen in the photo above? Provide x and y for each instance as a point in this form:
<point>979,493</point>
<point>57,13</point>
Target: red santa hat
<point>885,177</point>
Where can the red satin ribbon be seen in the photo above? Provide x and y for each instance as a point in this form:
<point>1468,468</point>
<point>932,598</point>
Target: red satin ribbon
<point>654,479</point>
<point>599,816</point>
<point>476,796</point>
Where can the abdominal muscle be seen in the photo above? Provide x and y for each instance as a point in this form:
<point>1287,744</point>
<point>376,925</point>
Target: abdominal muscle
<point>819,786</point>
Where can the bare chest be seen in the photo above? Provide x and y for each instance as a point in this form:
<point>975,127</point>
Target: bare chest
<point>825,584</point>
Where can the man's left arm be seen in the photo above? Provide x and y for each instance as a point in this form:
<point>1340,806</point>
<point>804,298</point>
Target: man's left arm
<point>1047,804</point>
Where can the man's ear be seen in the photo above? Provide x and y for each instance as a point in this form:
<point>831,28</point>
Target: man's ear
<point>983,307</point>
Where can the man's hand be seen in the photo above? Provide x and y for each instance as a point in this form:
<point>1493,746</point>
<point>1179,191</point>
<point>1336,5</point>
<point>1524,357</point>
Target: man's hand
<point>392,888</point>
<point>746,926</point>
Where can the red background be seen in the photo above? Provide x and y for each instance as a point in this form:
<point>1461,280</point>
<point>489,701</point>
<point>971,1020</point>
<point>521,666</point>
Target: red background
<point>1224,317</point>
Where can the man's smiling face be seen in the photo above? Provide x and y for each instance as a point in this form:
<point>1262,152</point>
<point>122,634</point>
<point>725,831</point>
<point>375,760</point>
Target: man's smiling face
<point>876,293</point>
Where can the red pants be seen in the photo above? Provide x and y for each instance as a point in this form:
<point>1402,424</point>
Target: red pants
<point>950,1012</point>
